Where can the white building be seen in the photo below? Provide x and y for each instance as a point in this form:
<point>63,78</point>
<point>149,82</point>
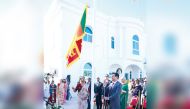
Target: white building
<point>111,43</point>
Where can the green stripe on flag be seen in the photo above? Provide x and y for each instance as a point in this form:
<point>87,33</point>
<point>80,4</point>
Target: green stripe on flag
<point>83,20</point>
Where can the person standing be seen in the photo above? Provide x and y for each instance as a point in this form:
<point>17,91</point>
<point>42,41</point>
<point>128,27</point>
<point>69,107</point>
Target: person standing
<point>46,89</point>
<point>105,93</point>
<point>61,92</point>
<point>78,86</point>
<point>133,85</point>
<point>107,78</point>
<point>89,92</point>
<point>124,94</point>
<point>52,91</point>
<point>137,92</point>
<point>145,88</point>
<point>65,86</point>
<point>98,93</point>
<point>68,80</point>
<point>83,95</point>
<point>114,93</point>
<point>138,89</point>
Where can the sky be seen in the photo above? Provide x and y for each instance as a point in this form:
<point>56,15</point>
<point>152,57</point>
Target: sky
<point>145,8</point>
<point>129,8</point>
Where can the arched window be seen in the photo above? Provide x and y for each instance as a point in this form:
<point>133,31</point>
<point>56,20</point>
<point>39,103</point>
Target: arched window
<point>135,45</point>
<point>88,34</point>
<point>126,76</point>
<point>87,70</point>
<point>112,42</point>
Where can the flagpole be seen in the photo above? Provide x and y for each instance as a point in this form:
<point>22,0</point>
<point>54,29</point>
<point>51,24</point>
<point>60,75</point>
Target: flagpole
<point>93,68</point>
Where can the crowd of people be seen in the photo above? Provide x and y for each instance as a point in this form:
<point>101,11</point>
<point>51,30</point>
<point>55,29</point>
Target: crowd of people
<point>57,93</point>
<point>113,94</point>
<point>83,88</point>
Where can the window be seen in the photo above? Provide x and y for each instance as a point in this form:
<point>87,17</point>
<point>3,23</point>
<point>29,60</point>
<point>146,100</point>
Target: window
<point>126,76</point>
<point>140,74</point>
<point>130,75</point>
<point>88,34</point>
<point>135,45</point>
<point>88,70</point>
<point>112,43</point>
<point>119,70</point>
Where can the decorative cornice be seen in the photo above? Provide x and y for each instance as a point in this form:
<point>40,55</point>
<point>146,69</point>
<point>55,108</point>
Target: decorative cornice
<point>102,17</point>
<point>135,60</point>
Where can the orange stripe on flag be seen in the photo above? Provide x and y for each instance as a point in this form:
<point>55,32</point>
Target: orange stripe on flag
<point>75,48</point>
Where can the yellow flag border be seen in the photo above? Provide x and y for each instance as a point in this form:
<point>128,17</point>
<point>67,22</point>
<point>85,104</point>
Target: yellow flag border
<point>74,43</point>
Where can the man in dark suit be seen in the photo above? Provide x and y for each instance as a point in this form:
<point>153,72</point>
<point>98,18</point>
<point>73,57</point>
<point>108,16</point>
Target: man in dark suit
<point>105,92</point>
<point>98,93</point>
<point>115,91</point>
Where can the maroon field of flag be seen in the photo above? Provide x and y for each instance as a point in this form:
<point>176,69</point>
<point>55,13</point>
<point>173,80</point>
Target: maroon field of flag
<point>75,48</point>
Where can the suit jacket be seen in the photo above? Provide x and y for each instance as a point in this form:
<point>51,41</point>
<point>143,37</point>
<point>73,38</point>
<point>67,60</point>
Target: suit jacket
<point>114,95</point>
<point>105,91</point>
<point>137,90</point>
<point>89,91</point>
<point>98,89</point>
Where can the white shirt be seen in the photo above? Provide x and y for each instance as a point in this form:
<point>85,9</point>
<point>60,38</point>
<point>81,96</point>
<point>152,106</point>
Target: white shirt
<point>113,83</point>
<point>46,90</point>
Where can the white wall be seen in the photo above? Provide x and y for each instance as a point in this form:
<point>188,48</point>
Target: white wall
<point>60,33</point>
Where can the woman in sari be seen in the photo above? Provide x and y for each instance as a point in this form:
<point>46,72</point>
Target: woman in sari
<point>52,91</point>
<point>124,94</point>
<point>61,92</point>
<point>83,95</point>
<point>65,86</point>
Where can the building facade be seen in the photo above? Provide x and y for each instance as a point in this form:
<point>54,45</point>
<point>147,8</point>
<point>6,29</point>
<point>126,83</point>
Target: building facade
<point>110,44</point>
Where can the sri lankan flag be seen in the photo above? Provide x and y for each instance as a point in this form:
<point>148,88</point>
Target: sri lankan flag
<point>75,48</point>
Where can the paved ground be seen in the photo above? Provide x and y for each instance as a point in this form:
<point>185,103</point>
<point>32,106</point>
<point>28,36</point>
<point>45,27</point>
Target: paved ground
<point>70,104</point>
<point>73,103</point>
